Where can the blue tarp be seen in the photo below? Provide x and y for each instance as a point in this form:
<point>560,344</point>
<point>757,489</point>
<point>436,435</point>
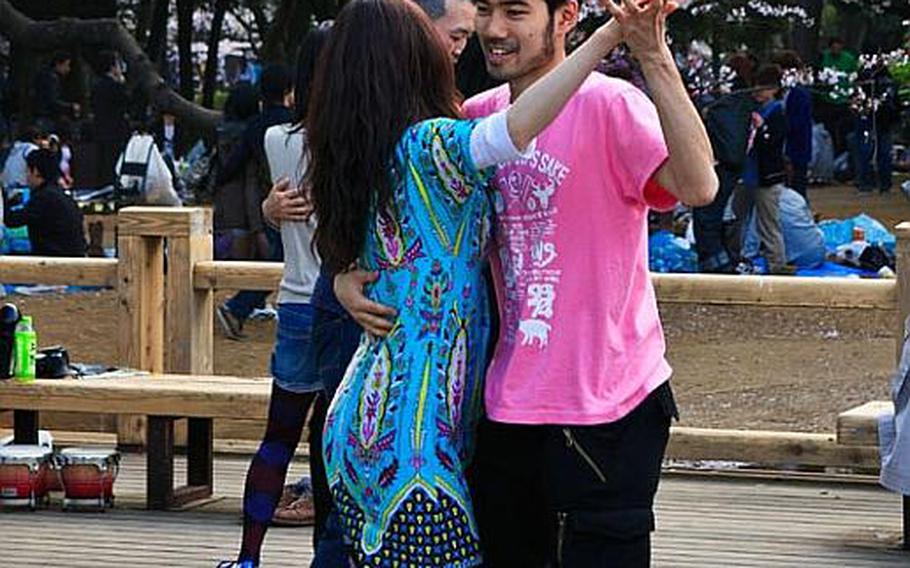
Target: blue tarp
<point>840,232</point>
<point>669,253</point>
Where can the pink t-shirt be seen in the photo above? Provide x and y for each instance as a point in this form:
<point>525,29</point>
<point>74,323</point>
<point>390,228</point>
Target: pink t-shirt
<point>580,339</point>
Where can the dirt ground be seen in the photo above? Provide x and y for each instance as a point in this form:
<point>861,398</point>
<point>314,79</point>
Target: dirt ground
<point>734,367</point>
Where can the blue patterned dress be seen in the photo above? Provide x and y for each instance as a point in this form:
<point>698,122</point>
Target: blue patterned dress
<point>400,430</point>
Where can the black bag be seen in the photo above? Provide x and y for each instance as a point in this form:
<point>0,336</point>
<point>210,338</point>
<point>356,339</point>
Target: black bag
<point>875,258</point>
<point>728,121</point>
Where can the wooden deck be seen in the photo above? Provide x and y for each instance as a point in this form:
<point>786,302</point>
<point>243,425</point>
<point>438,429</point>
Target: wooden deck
<point>702,522</point>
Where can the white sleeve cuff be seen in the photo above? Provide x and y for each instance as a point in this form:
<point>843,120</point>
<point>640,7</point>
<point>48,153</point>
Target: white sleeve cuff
<point>491,143</point>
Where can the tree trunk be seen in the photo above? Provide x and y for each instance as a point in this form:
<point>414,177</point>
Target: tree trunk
<point>262,21</point>
<point>212,57</point>
<point>185,47</point>
<point>273,44</point>
<point>805,39</point>
<point>156,47</point>
<point>109,33</point>
<point>143,20</point>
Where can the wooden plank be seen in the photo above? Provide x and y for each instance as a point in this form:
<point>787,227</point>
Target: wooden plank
<point>187,494</point>
<point>189,327</point>
<point>226,397</point>
<point>140,317</point>
<point>58,271</point>
<point>859,426</point>
<point>160,222</point>
<point>777,291</point>
<point>25,427</point>
<point>235,275</point>
<point>160,469</point>
<point>231,429</point>
<point>147,395</point>
<point>772,291</point>
<point>771,525</point>
<point>765,447</point>
<point>199,453</point>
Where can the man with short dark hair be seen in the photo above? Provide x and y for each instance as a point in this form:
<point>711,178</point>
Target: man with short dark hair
<point>50,107</point>
<point>53,219</point>
<point>110,103</point>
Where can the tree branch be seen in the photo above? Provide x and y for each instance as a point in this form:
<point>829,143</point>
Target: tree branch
<point>109,33</point>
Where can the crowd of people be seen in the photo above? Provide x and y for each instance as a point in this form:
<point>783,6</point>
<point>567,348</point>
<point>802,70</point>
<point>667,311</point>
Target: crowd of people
<point>116,118</point>
<point>768,126</point>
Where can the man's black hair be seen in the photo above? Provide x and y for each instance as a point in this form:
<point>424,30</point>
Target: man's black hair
<point>61,56</point>
<point>106,60</point>
<point>274,83</point>
<point>46,163</point>
<point>768,76</point>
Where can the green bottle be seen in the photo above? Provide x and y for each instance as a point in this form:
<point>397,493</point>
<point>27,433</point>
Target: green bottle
<point>26,349</point>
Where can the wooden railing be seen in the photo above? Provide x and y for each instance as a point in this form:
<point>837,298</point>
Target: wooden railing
<point>165,318</point>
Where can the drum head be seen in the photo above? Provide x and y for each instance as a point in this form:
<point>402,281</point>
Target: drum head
<point>88,456</point>
<point>23,454</point>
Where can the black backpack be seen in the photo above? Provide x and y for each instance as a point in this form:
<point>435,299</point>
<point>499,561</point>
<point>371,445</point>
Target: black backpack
<point>728,120</point>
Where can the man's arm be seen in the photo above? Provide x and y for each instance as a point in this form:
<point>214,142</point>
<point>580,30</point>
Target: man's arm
<point>373,317</point>
<point>689,172</point>
<point>285,203</point>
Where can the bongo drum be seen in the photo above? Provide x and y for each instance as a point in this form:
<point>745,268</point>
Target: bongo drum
<point>24,475</point>
<point>87,476</point>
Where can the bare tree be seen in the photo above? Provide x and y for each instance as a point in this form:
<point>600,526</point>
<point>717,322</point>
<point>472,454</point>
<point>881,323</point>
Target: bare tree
<point>212,55</point>
<point>143,20</point>
<point>185,47</point>
<point>110,33</point>
<point>156,46</point>
<point>805,38</point>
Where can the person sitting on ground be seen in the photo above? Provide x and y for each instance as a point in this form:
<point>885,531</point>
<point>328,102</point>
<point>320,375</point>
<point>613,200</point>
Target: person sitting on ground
<point>803,239</point>
<point>53,219</point>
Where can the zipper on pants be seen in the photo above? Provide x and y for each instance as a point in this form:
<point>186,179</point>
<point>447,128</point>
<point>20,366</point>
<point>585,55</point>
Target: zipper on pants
<point>560,536</point>
<point>571,442</point>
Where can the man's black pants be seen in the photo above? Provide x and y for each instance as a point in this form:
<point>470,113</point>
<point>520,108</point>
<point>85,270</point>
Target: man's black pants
<point>571,496</point>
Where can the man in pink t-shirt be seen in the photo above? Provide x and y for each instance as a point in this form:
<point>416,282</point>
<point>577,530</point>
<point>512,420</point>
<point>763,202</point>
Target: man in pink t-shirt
<point>577,397</point>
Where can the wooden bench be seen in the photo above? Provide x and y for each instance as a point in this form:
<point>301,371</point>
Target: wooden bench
<point>163,399</point>
<point>859,427</point>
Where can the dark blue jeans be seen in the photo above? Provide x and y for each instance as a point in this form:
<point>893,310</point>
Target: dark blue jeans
<point>242,304</point>
<point>713,255</point>
<point>335,339</point>
<point>872,144</point>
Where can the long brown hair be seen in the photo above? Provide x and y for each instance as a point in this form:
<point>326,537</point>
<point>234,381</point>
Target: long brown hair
<point>382,70</point>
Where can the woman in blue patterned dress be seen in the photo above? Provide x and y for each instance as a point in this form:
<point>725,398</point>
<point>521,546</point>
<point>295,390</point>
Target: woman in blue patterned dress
<point>398,184</point>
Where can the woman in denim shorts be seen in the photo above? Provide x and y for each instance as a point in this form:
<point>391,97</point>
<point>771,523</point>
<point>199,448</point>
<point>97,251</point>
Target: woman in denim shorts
<point>295,387</point>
